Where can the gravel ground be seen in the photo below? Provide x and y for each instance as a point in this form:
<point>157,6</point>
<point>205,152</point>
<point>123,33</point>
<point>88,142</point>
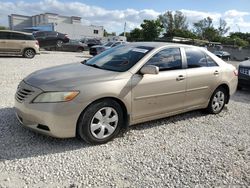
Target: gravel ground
<point>192,149</point>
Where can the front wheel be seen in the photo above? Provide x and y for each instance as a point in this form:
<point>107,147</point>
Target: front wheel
<point>100,122</point>
<point>217,101</point>
<point>29,53</point>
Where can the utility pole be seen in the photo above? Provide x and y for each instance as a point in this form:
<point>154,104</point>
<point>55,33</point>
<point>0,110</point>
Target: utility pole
<point>124,33</point>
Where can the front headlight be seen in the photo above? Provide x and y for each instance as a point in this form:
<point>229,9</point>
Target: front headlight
<point>56,97</point>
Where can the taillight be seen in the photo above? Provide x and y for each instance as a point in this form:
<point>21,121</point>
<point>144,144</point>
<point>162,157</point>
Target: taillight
<point>37,43</point>
<point>236,72</point>
<point>66,36</point>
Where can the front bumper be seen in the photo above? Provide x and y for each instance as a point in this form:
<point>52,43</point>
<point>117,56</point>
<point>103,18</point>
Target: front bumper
<point>53,119</point>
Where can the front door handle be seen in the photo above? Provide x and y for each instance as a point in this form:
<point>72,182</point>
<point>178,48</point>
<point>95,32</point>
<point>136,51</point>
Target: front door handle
<point>180,77</point>
<point>216,73</point>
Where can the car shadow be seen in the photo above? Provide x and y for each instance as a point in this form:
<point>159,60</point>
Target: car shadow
<point>11,56</point>
<point>17,142</point>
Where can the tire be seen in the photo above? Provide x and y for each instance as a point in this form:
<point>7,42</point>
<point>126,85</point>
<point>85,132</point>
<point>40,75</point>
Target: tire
<point>59,43</point>
<point>100,122</point>
<point>217,101</point>
<point>29,53</point>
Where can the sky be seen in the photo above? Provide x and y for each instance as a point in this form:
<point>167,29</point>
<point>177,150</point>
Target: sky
<point>112,14</point>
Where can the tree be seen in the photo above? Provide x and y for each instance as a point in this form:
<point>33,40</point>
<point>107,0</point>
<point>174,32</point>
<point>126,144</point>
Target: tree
<point>106,34</point>
<point>2,28</point>
<point>205,29</point>
<point>151,29</point>
<point>136,35</point>
<point>173,22</point>
<point>223,29</point>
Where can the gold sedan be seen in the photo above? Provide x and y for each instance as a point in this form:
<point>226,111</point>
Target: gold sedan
<point>126,85</point>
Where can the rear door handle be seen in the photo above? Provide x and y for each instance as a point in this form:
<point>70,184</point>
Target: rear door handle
<point>180,77</point>
<point>216,72</point>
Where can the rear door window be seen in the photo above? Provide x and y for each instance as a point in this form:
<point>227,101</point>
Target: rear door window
<point>211,62</point>
<point>195,58</point>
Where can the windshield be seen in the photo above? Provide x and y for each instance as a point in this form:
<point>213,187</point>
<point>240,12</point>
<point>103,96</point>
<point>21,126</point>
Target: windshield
<point>120,58</point>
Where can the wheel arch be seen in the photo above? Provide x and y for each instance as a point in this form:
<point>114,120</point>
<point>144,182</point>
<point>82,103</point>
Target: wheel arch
<point>120,102</point>
<point>227,89</point>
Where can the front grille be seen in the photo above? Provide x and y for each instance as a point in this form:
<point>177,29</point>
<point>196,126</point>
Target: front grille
<point>22,94</point>
<point>245,71</point>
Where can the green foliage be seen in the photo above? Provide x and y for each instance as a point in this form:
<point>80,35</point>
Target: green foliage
<point>2,28</point>
<point>184,33</point>
<point>106,34</point>
<point>175,25</point>
<point>204,28</point>
<point>151,29</point>
<point>135,35</point>
<point>234,41</point>
<point>173,22</point>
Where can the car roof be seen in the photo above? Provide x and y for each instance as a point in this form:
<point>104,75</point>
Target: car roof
<point>10,31</point>
<point>160,44</point>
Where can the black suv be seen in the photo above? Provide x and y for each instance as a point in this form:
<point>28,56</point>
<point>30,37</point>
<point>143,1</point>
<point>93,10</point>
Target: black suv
<point>244,74</point>
<point>50,38</point>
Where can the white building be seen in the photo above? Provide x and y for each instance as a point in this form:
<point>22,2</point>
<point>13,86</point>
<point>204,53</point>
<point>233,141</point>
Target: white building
<point>70,25</point>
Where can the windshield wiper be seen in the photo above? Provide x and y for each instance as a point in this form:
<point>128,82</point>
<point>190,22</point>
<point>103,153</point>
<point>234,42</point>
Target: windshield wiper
<point>94,65</point>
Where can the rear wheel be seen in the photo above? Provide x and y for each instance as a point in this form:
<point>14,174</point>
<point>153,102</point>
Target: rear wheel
<point>100,122</point>
<point>29,53</point>
<point>217,101</point>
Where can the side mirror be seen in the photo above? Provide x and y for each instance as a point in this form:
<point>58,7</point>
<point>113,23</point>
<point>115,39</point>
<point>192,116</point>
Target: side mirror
<point>149,69</point>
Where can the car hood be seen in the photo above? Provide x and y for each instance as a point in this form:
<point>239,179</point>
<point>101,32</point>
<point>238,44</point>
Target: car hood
<point>245,63</point>
<point>68,76</point>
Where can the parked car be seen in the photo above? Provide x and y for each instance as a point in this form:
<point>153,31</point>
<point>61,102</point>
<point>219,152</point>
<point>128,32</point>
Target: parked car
<point>94,50</point>
<point>18,43</point>
<point>223,55</point>
<point>244,74</point>
<point>71,46</point>
<point>91,42</point>
<point>126,85</point>
<point>51,38</point>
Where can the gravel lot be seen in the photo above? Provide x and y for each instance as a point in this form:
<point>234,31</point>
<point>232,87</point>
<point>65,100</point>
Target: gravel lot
<point>192,149</point>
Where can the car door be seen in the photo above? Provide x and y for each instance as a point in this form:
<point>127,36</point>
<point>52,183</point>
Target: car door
<point>16,42</point>
<point>203,76</point>
<point>51,38</point>
<point>4,42</point>
<point>156,95</point>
